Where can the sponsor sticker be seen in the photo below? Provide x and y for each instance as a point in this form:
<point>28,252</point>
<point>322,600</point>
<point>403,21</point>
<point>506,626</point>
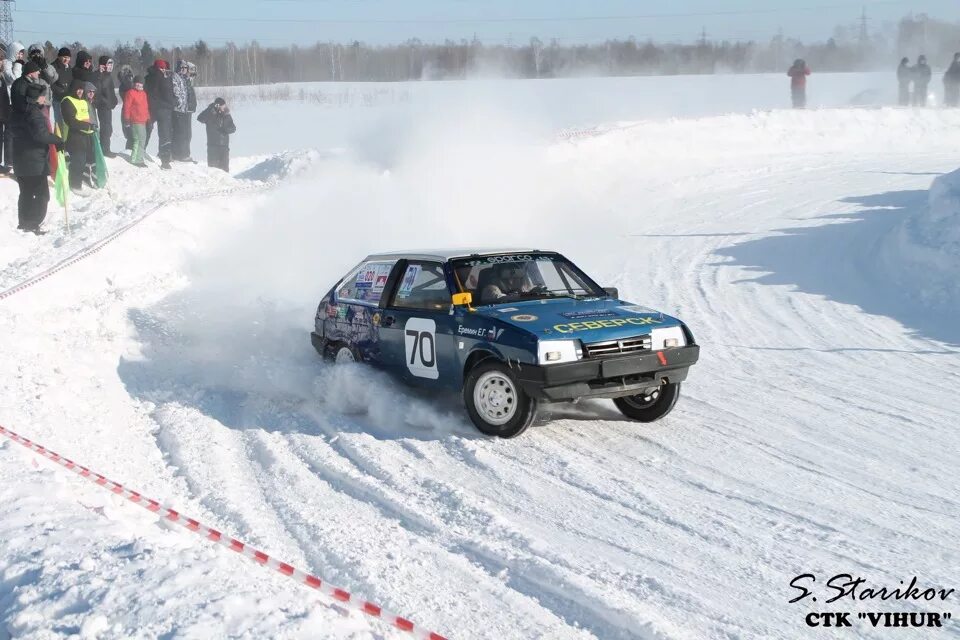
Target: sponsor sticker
<point>588,325</point>
<point>598,313</point>
<point>409,278</point>
<point>523,317</point>
<point>635,308</point>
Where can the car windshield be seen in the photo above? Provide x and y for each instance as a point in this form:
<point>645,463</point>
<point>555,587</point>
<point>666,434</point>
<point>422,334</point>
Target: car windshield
<point>514,277</point>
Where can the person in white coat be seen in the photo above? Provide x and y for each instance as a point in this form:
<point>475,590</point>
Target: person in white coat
<point>13,65</point>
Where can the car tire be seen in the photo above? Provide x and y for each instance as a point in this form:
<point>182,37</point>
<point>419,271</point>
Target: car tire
<point>496,403</point>
<point>342,353</point>
<point>650,407</point>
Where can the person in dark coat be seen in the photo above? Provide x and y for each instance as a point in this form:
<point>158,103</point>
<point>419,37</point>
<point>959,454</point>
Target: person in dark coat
<point>921,82</point>
<point>183,112</point>
<point>904,78</point>
<point>220,125</point>
<point>951,83</point>
<point>64,79</point>
<point>798,83</point>
<point>31,159</point>
<point>159,88</point>
<point>83,70</point>
<point>125,83</point>
<point>18,90</point>
<point>106,102</point>
<point>6,135</point>
<point>79,133</point>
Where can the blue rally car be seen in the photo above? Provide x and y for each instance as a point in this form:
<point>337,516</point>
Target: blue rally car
<point>510,329</point>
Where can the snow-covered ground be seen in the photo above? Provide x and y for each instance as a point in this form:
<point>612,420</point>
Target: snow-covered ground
<point>816,435</point>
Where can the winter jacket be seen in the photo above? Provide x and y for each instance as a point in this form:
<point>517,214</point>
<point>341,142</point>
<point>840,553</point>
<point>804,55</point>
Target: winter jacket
<point>13,71</point>
<point>18,93</point>
<point>186,96</point>
<point>64,79</point>
<point>921,74</point>
<point>136,107</point>
<point>904,73</point>
<point>79,131</point>
<point>159,87</point>
<point>798,76</point>
<point>219,126</point>
<point>48,72</point>
<point>4,101</point>
<point>31,142</point>
<point>952,76</point>
<point>106,97</point>
<point>79,71</point>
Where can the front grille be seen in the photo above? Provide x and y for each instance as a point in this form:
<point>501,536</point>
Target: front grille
<point>610,348</point>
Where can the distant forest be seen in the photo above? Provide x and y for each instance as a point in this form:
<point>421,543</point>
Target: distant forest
<point>850,49</point>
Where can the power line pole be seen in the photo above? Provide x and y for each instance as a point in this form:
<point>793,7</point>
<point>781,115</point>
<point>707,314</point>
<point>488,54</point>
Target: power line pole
<point>6,22</point>
<point>864,33</point>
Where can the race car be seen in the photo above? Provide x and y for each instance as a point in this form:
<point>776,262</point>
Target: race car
<point>509,330</point>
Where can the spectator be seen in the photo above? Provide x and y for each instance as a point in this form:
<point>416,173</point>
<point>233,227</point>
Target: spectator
<point>6,135</point>
<point>31,159</point>
<point>904,78</point>
<point>90,95</point>
<point>13,65</point>
<point>106,102</point>
<point>18,92</point>
<point>951,83</point>
<point>64,79</point>
<point>798,83</point>
<point>921,82</point>
<point>83,70</point>
<point>183,112</point>
<point>48,74</point>
<point>136,114</point>
<point>159,88</point>
<point>126,83</point>
<point>219,127</point>
<point>78,134</point>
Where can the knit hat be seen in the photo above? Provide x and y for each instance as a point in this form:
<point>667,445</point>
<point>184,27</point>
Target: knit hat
<point>104,60</point>
<point>89,86</point>
<point>219,101</point>
<point>137,79</point>
<point>82,58</point>
<point>30,67</point>
<point>161,64</point>
<point>63,52</point>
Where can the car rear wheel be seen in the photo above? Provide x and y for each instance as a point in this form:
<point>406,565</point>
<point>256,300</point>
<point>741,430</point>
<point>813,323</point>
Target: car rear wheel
<point>648,407</point>
<point>341,353</point>
<point>496,403</point>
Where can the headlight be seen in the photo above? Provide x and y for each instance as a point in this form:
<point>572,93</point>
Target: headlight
<point>667,338</point>
<point>556,351</point>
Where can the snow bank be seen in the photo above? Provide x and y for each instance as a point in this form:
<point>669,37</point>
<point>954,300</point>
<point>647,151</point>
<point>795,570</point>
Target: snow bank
<point>922,254</point>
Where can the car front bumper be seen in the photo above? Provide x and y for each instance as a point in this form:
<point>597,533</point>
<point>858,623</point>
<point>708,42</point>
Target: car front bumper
<point>606,377</point>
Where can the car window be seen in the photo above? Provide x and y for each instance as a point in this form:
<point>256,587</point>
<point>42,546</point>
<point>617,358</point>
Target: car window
<point>366,283</point>
<point>423,286</point>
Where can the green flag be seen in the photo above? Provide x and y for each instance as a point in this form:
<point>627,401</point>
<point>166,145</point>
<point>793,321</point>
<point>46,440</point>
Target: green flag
<point>61,183</point>
<point>101,163</point>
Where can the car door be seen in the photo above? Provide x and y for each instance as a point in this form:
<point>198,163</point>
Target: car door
<point>416,328</point>
<point>356,309</point>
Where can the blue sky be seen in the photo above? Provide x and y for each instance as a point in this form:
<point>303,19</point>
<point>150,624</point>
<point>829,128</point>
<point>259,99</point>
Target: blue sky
<point>281,22</point>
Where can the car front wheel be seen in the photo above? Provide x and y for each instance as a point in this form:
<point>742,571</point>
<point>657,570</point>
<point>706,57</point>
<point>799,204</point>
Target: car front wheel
<point>648,407</point>
<point>496,403</point>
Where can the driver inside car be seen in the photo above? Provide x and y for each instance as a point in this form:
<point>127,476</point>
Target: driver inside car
<point>511,280</point>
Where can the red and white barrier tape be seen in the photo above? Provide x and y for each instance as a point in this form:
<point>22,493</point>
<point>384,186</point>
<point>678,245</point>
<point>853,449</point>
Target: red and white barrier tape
<point>343,597</point>
<point>89,250</point>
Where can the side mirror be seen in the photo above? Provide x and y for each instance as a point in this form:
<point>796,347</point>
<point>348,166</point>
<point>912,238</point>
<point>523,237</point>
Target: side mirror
<point>462,299</point>
<point>613,292</point>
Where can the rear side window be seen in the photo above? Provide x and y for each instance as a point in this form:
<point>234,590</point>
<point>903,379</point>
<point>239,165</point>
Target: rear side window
<point>365,284</point>
<point>423,286</point>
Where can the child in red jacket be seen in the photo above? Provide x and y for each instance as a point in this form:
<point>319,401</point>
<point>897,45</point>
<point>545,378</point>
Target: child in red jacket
<point>136,113</point>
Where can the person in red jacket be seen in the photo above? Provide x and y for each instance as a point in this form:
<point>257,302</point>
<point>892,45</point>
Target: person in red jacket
<point>798,83</point>
<point>136,113</point>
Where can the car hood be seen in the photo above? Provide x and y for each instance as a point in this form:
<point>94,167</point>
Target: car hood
<point>592,320</point>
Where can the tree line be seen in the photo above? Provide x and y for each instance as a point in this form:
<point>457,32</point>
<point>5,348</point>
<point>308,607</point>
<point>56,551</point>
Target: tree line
<point>250,63</point>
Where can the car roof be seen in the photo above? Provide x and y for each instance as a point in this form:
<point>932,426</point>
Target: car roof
<point>442,255</point>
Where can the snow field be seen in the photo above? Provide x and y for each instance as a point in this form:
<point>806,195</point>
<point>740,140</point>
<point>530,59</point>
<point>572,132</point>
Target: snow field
<point>176,361</point>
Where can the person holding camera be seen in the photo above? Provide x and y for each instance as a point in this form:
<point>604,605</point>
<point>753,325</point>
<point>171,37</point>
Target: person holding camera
<point>220,125</point>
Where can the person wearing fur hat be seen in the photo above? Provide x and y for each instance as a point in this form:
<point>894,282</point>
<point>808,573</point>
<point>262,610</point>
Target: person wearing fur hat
<point>78,133</point>
<point>136,115</point>
<point>13,65</point>
<point>64,79</point>
<point>219,127</point>
<point>31,159</point>
<point>183,112</point>
<point>83,69</point>
<point>159,87</point>
<point>105,103</point>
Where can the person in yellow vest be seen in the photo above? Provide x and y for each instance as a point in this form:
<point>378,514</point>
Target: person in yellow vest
<point>78,134</point>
